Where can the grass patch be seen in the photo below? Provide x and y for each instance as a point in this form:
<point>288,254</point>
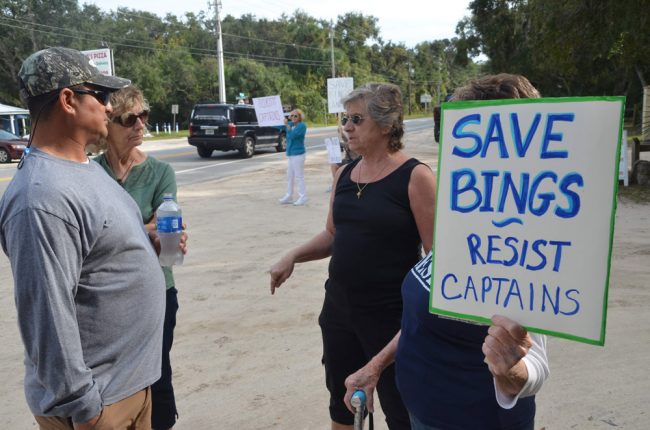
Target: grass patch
<point>161,136</point>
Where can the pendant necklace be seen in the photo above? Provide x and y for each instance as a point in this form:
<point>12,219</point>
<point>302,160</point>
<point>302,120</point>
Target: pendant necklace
<point>360,189</point>
<point>126,172</point>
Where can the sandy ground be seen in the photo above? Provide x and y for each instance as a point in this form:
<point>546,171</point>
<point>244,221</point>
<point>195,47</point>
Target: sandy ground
<point>244,359</point>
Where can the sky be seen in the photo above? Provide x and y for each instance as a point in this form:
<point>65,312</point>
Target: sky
<point>405,21</point>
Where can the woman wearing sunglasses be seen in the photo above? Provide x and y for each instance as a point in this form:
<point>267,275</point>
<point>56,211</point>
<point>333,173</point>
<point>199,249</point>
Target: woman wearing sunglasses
<point>296,130</point>
<point>146,180</point>
<point>380,218</point>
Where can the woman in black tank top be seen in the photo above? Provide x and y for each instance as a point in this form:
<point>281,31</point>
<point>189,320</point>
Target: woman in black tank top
<point>445,365</point>
<point>380,220</point>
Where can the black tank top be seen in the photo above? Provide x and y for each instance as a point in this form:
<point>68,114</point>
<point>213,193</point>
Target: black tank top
<point>376,241</point>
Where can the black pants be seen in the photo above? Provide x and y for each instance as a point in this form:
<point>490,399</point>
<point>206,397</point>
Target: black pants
<point>350,340</point>
<point>164,414</point>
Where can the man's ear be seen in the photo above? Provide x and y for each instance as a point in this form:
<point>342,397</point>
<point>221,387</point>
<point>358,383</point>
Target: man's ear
<point>67,101</point>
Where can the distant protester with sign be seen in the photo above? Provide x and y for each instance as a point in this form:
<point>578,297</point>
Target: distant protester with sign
<point>380,218</point>
<point>296,153</point>
<point>454,374</point>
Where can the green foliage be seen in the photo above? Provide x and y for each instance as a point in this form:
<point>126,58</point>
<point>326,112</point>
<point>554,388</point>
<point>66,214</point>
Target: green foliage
<point>173,59</point>
<point>566,47</point>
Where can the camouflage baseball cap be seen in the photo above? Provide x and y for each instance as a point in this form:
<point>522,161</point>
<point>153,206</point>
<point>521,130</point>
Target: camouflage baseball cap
<point>56,68</point>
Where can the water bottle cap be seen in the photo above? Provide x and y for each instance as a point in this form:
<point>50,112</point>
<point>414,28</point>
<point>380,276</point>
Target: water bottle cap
<point>168,196</point>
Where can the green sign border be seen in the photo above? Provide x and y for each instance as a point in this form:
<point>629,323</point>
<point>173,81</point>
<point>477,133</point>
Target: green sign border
<point>456,105</point>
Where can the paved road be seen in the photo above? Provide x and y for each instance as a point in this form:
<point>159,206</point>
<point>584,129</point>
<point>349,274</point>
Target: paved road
<point>192,169</point>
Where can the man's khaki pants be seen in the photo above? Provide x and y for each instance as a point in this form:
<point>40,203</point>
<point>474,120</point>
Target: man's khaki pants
<point>132,413</point>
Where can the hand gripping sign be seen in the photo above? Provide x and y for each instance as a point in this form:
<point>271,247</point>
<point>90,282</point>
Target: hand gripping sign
<point>525,212</point>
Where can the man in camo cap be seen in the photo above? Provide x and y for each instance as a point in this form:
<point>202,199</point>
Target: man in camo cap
<point>88,287</point>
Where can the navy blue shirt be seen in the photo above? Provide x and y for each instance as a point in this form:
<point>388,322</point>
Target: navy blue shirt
<point>440,370</point>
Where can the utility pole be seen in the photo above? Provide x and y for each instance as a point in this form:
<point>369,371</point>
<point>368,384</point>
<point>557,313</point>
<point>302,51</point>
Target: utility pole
<point>222,79</point>
<point>439,78</point>
<point>410,70</point>
<point>332,48</point>
<point>338,115</point>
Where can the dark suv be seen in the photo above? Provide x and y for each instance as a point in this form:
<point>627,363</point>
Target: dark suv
<point>227,127</point>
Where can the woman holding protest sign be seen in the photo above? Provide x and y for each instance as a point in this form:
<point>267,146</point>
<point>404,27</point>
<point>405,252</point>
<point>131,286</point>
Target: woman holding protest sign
<point>296,130</point>
<point>380,218</point>
<point>453,374</point>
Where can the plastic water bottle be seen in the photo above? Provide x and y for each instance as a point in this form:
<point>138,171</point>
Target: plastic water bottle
<point>169,224</point>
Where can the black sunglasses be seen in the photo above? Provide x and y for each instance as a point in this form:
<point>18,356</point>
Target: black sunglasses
<point>356,119</point>
<point>102,96</point>
<point>130,119</point>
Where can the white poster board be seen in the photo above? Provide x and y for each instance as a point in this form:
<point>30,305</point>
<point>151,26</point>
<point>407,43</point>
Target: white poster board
<point>525,212</point>
<point>102,59</point>
<point>333,150</point>
<point>268,110</point>
<point>337,88</point>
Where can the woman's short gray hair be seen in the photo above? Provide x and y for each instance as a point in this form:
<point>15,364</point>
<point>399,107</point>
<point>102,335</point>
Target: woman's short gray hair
<point>384,104</point>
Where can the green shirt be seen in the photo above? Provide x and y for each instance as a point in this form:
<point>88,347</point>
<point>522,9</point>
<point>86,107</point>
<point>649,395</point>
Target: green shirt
<point>147,183</point>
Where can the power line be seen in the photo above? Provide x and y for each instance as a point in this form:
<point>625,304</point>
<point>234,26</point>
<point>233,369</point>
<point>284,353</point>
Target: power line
<point>293,45</point>
<point>137,44</point>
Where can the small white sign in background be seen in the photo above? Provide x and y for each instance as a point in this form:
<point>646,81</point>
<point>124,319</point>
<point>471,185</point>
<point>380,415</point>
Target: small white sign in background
<point>333,150</point>
<point>268,110</point>
<point>337,88</point>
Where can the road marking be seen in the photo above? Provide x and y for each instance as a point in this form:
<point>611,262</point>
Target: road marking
<point>7,178</point>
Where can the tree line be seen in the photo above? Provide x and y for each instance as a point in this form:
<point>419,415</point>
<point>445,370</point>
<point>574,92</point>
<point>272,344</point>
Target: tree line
<point>565,47</point>
<point>568,47</point>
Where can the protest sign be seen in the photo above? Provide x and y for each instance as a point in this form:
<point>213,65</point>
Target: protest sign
<point>268,110</point>
<point>525,212</point>
<point>333,150</point>
<point>337,88</point>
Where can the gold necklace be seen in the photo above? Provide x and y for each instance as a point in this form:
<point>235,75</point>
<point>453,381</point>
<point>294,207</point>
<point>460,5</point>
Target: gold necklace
<point>360,189</point>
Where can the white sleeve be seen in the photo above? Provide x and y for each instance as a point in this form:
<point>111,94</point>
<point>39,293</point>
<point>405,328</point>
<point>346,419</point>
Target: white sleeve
<point>536,363</point>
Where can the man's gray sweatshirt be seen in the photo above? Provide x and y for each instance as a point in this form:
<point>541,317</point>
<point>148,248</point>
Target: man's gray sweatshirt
<point>88,287</point>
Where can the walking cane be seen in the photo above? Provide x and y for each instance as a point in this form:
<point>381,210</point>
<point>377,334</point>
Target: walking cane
<point>358,402</point>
